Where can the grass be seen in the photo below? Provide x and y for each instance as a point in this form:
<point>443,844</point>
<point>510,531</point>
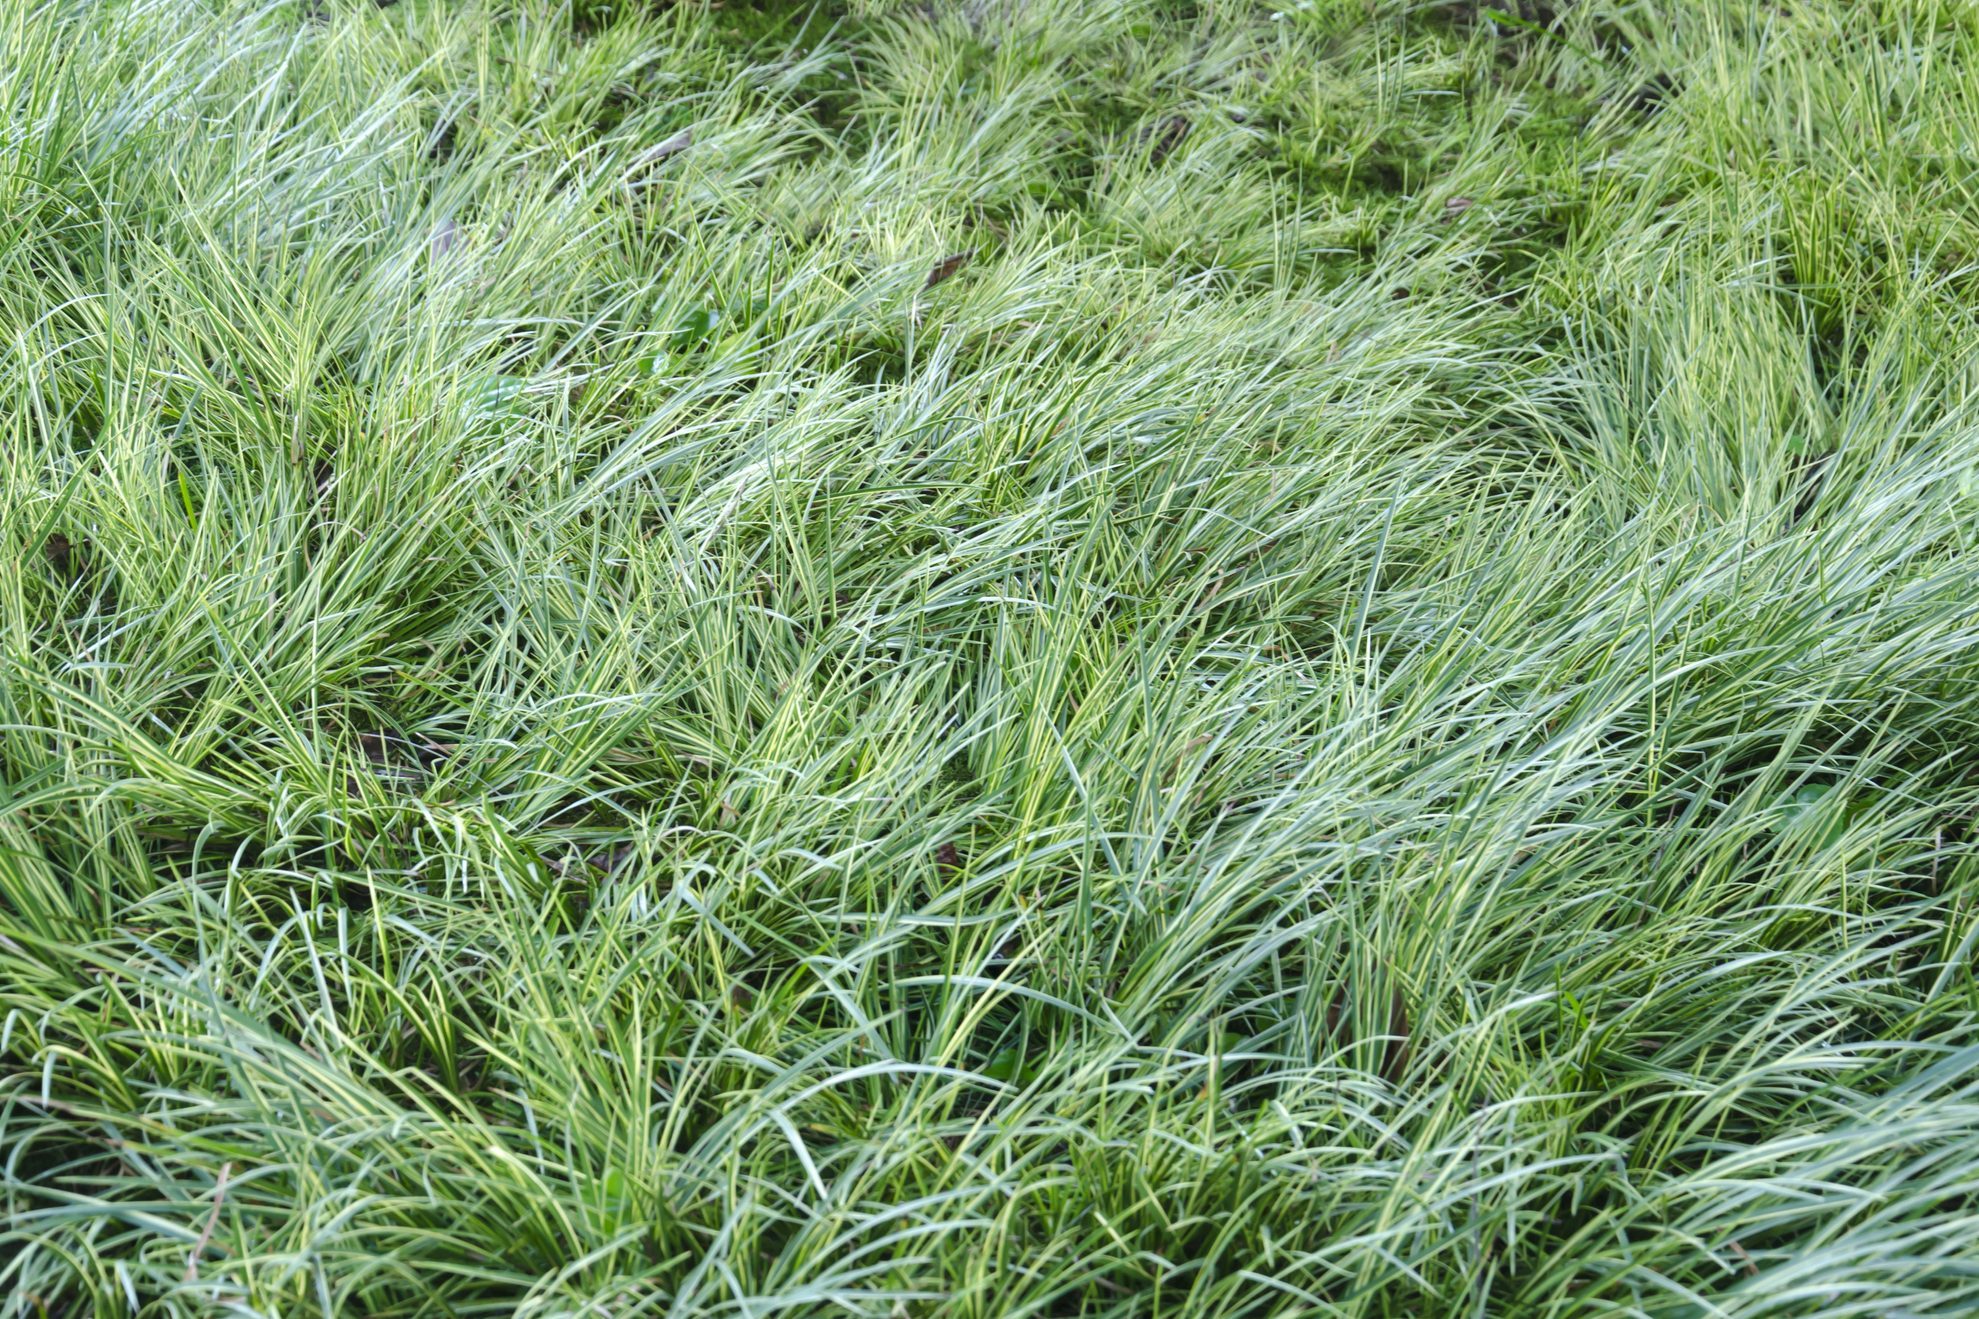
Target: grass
<point>1148,657</point>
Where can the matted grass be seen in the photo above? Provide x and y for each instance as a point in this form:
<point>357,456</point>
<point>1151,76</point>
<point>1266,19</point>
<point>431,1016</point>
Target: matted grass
<point>1010,658</point>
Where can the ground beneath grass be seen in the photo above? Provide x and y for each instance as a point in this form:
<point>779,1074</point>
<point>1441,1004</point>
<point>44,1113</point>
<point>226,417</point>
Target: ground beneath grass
<point>1001,658</point>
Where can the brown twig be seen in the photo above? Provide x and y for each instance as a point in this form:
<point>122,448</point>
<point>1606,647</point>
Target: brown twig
<point>206,1233</point>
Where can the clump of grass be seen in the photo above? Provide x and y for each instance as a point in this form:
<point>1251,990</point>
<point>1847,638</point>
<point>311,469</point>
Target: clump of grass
<point>988,659</point>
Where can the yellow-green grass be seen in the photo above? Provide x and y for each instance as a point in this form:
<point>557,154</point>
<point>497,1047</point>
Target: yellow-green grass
<point>1019,657</point>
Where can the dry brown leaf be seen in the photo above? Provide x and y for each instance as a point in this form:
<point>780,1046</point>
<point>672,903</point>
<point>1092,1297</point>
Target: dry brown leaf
<point>947,266</point>
<point>1173,130</point>
<point>670,148</point>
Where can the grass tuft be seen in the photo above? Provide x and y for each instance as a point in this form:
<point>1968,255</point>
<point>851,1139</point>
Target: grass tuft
<point>988,659</point>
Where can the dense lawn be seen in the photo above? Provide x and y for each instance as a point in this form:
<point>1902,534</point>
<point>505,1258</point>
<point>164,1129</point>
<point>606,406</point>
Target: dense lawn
<point>1018,657</point>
